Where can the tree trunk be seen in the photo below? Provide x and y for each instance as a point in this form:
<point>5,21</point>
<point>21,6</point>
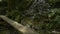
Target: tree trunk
<point>18,26</point>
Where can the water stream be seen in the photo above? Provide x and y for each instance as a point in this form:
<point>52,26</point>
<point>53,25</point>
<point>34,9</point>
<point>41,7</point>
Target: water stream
<point>38,7</point>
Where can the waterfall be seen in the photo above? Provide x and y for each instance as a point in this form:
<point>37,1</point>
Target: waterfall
<point>38,7</point>
<point>34,4</point>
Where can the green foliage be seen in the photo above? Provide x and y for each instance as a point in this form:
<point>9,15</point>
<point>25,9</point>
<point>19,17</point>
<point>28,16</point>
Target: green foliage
<point>55,19</point>
<point>22,4</point>
<point>43,23</point>
<point>54,1</point>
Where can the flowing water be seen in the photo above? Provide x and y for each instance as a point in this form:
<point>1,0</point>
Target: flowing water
<point>38,7</point>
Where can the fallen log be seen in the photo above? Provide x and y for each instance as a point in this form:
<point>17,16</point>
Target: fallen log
<point>18,26</point>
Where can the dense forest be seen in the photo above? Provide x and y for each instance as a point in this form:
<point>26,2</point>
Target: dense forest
<point>42,16</point>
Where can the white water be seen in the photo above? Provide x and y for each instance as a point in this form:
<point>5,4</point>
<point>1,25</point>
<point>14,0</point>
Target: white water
<point>37,7</point>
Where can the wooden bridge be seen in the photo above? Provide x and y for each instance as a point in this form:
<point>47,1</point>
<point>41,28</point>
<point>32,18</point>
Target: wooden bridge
<point>18,26</point>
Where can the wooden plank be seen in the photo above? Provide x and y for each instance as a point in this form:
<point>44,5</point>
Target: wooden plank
<point>18,26</point>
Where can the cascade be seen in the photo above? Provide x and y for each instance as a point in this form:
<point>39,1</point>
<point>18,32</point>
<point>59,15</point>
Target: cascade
<point>38,7</point>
